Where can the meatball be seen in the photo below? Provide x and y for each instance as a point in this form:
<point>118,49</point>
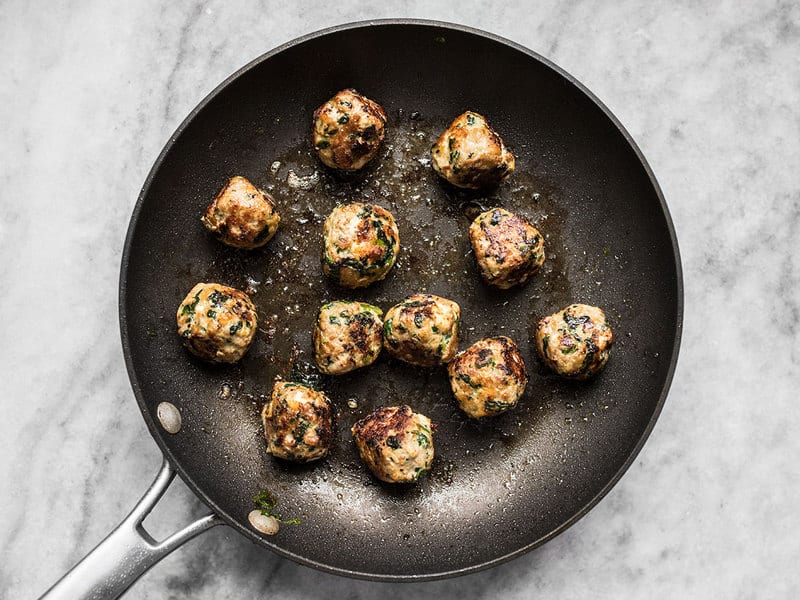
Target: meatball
<point>396,443</point>
<point>489,377</point>
<point>241,215</point>
<point>347,336</point>
<point>470,154</point>
<point>507,248</point>
<point>575,342</point>
<point>217,323</point>
<point>360,244</point>
<point>348,130</point>
<point>422,330</point>
<point>298,422</point>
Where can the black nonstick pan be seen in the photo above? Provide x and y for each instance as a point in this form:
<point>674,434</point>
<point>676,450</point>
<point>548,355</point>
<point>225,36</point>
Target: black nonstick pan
<point>498,488</point>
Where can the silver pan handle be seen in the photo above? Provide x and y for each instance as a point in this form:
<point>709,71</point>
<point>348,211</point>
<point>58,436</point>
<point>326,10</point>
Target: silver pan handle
<point>128,551</point>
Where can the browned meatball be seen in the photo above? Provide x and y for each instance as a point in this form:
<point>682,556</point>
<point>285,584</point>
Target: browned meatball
<point>347,336</point>
<point>360,244</point>
<point>298,422</point>
<point>216,322</point>
<point>576,341</point>
<point>507,248</point>
<point>422,330</point>
<point>241,215</point>
<point>489,377</point>
<point>348,130</point>
<point>396,443</point>
<point>470,154</point>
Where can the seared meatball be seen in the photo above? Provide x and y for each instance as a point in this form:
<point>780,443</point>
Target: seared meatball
<point>298,422</point>
<point>396,443</point>
<point>470,154</point>
<point>347,336</point>
<point>422,330</point>
<point>241,215</point>
<point>361,242</point>
<point>507,248</point>
<point>575,342</point>
<point>348,130</point>
<point>489,377</point>
<point>217,322</point>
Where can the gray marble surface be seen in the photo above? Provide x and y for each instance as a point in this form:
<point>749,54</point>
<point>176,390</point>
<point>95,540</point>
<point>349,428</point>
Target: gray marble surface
<point>711,92</point>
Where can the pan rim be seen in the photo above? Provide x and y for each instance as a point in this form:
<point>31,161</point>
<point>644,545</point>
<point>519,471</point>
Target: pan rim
<point>156,433</point>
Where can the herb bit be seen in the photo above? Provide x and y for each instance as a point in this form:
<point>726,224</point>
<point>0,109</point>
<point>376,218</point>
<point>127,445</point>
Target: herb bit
<point>422,440</point>
<point>305,374</point>
<point>265,502</point>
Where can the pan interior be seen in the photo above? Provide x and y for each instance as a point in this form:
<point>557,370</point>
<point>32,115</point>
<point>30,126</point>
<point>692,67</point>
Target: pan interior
<point>497,487</point>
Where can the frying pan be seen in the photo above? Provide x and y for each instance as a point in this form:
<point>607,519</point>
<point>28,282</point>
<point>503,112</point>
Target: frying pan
<point>499,487</point>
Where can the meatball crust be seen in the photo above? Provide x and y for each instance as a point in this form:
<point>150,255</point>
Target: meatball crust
<point>360,244</point>
<point>575,342</point>
<point>242,215</point>
<point>470,154</point>
<point>422,330</point>
<point>348,130</point>
<point>507,248</point>
<point>347,336</point>
<point>489,377</point>
<point>217,323</point>
<point>298,422</point>
<point>396,443</point>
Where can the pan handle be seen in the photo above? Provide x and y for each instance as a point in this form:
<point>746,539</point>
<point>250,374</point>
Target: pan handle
<point>127,552</point>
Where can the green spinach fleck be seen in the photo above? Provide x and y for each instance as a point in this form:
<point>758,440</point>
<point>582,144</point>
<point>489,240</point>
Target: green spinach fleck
<point>218,298</point>
<point>188,309</point>
<point>496,405</point>
<point>468,380</point>
<point>265,502</point>
<point>423,440</point>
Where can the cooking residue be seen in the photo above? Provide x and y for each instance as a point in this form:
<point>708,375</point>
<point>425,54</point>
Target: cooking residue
<point>302,183</point>
<point>252,286</point>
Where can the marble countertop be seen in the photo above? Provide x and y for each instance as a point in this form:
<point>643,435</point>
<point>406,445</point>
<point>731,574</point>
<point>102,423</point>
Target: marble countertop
<point>710,91</point>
